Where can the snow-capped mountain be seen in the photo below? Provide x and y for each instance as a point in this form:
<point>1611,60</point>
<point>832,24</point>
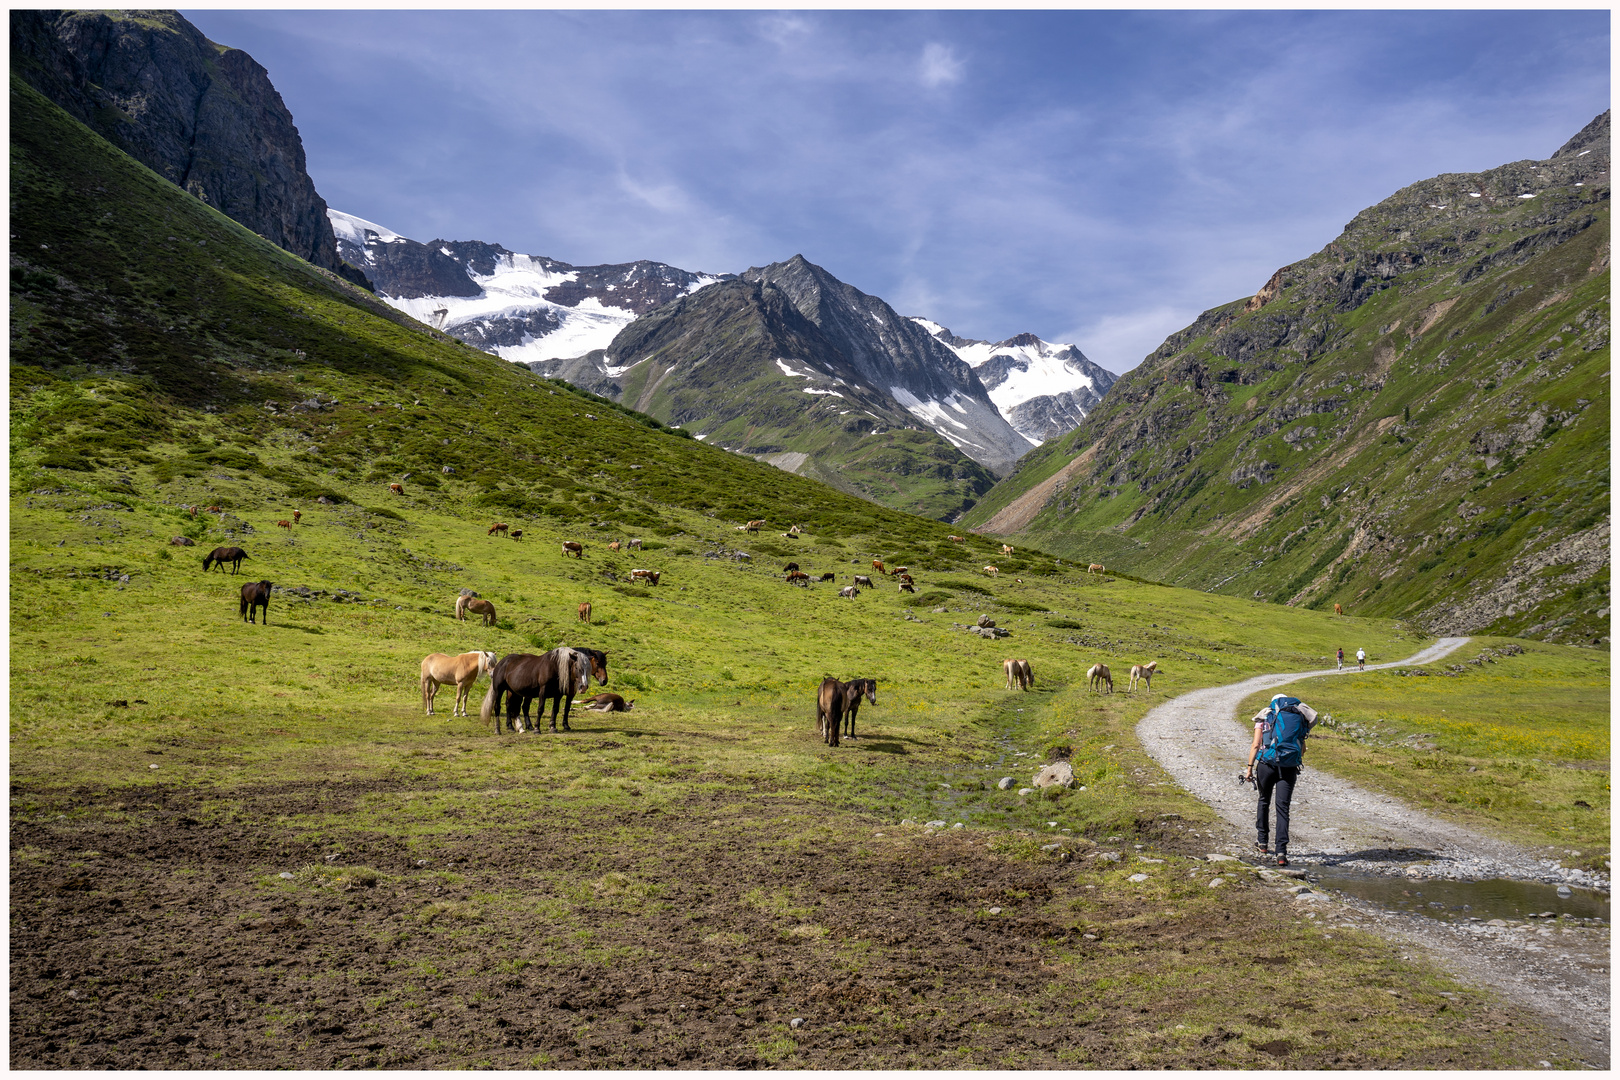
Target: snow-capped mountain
<point>1043,388</point>
<point>520,307</point>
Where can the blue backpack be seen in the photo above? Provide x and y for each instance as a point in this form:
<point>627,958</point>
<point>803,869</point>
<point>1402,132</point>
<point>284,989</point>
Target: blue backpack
<point>1283,744</point>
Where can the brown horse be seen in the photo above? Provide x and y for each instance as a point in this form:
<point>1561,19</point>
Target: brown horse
<point>255,594</point>
<point>465,604</point>
<point>498,527</point>
<point>284,525</point>
<point>585,613</point>
<point>829,710</point>
<point>854,690</point>
<point>223,555</point>
<point>439,669</point>
<point>296,515</point>
<point>397,489</point>
<point>559,675</point>
<point>610,703</point>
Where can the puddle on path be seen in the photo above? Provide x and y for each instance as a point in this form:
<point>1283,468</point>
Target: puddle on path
<point>1458,901</point>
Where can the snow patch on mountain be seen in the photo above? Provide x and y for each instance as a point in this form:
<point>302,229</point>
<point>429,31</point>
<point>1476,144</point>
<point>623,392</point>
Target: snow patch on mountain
<point>354,230</point>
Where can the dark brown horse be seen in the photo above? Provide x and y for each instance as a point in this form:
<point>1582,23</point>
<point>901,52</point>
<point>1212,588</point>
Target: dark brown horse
<point>558,675</point>
<point>223,555</point>
<point>829,710</point>
<point>255,594</point>
<point>854,690</point>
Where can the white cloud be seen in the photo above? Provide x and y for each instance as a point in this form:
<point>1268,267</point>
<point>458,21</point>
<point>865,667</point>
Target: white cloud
<point>939,65</point>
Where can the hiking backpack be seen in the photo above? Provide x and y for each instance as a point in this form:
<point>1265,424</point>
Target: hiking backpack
<point>1286,727</point>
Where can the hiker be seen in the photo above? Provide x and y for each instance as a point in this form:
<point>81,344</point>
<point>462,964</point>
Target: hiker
<point>1275,759</point>
<point>1361,659</point>
<point>1341,657</point>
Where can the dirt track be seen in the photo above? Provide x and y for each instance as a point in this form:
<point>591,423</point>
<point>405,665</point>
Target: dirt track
<point>1201,741</point>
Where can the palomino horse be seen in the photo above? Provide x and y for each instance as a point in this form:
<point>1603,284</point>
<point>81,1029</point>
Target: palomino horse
<point>1006,549</point>
<point>1338,609</point>
<point>1143,673</point>
<point>1018,674</point>
<point>223,555</point>
<point>1095,568</point>
<point>614,546</point>
<point>255,595</point>
<point>585,613</point>
<point>992,571</point>
<point>473,604</point>
<point>559,675</point>
<point>439,669</point>
<point>1098,675</point>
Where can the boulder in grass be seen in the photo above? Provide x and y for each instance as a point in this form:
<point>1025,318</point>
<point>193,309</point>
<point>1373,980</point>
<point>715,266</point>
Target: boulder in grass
<point>1059,773</point>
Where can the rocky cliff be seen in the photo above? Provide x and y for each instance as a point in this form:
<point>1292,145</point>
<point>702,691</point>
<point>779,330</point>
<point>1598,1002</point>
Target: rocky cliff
<point>1414,421</point>
<point>201,115</point>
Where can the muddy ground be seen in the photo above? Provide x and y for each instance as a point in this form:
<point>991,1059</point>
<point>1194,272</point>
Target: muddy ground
<point>152,929</point>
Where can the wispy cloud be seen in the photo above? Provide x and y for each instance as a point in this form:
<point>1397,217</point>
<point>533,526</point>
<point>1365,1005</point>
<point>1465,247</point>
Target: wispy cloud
<point>939,65</point>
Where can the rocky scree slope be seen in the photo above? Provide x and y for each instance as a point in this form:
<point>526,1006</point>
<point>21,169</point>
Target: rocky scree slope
<point>154,340</point>
<point>740,366</point>
<point>1044,389</point>
<point>203,116</point>
<point>1412,422</point>
<point>523,308</point>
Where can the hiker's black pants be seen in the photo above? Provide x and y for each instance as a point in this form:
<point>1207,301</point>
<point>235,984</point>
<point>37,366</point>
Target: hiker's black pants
<point>1281,781</point>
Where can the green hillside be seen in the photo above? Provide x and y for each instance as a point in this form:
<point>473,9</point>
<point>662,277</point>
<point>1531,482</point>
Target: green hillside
<point>1412,422</point>
<point>243,845</point>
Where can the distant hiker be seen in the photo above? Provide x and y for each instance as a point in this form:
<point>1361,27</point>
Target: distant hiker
<point>1341,657</point>
<point>1275,758</point>
<point>1361,659</point>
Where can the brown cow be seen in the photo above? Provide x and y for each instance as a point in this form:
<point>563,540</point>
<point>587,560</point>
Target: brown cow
<point>797,575</point>
<point>907,578</point>
<point>614,546</point>
<point>517,534</point>
<point>498,527</point>
<point>829,576</point>
<point>397,489</point>
<point>296,515</point>
<point>877,564</point>
<point>901,570</point>
<point>609,703</point>
<point>574,548</point>
<point>284,525</point>
<point>1338,609</point>
<point>649,576</point>
<point>213,510</point>
<point>585,612</point>
<point>756,525</point>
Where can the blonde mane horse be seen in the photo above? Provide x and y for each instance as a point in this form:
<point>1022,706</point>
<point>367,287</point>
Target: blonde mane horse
<point>1143,673</point>
<point>465,604</point>
<point>439,669</point>
<point>1098,675</point>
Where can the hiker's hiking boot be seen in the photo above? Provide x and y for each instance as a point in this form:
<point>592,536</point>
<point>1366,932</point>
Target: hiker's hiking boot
<point>1260,848</point>
<point>1282,859</point>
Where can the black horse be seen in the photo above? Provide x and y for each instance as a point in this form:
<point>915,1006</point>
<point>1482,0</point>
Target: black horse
<point>854,690</point>
<point>223,555</point>
<point>558,675</point>
<point>255,594</point>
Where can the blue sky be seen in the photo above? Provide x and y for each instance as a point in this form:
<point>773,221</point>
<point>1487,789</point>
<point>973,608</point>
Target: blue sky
<point>1089,176</point>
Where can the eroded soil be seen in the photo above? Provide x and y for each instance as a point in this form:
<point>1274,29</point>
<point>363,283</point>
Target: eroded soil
<point>152,929</point>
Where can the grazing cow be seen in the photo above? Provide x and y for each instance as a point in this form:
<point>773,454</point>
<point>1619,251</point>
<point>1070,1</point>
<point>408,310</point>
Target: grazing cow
<point>222,555</point>
<point>907,579</point>
<point>296,515</point>
<point>756,525</point>
<point>901,570</point>
<point>1098,675</point>
<point>192,510</point>
<point>1006,549</point>
<point>397,489</point>
<point>877,564</point>
<point>498,527</point>
<point>849,592</point>
<point>992,571</point>
<point>742,528</point>
<point>862,579</point>
<point>649,576</point>
<point>214,510</point>
<point>183,541</point>
<point>829,576</point>
<point>585,613</point>
<point>906,586</point>
<point>1095,568</point>
<point>517,534</point>
<point>609,703</point>
<point>255,595</point>
<point>574,548</point>
<point>955,539</point>
<point>1143,673</point>
<point>441,670</point>
<point>793,530</point>
<point>854,690</point>
<point>790,567</point>
<point>1338,609</point>
<point>284,525</point>
<point>633,545</point>
<point>796,576</point>
<point>614,546</point>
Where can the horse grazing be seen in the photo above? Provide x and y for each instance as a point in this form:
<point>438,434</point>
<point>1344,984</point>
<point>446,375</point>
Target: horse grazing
<point>907,579</point>
<point>255,594</point>
<point>1143,673</point>
<point>955,539</point>
<point>1338,609</point>
<point>439,670</point>
<point>609,703</point>
<point>903,571</point>
<point>222,555</point>
<point>1006,549</point>
<point>477,607</point>
<point>214,510</point>
<point>864,581</point>
<point>790,568</point>
<point>517,534</point>
<point>397,489</point>
<point>192,510</point>
<point>849,592</point>
<point>755,525</point>
<point>992,571</point>
<point>1098,675</point>
<point>796,576</point>
<point>853,691</point>
<point>614,546</point>
<point>1018,674</point>
<point>498,527</point>
<point>574,548</point>
<point>632,545</point>
<point>284,525</point>
<point>1095,568</point>
<point>521,678</point>
<point>906,586</point>
<point>829,576</point>
<point>585,613</point>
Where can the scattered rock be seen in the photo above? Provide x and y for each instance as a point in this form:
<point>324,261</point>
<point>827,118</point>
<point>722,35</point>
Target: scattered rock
<point>1005,783</point>
<point>936,824</point>
<point>1026,791</point>
<point>1217,857</point>
<point>1137,877</point>
<point>1057,773</point>
<point>1216,883</point>
<point>1109,856</point>
<point>796,1023</point>
<point>986,622</point>
<point>285,875</point>
<point>995,911</point>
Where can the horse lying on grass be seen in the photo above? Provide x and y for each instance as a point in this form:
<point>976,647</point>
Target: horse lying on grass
<point>439,669</point>
<point>609,703</point>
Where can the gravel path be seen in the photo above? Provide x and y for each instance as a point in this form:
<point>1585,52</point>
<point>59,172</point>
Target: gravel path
<point>1199,739</point>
